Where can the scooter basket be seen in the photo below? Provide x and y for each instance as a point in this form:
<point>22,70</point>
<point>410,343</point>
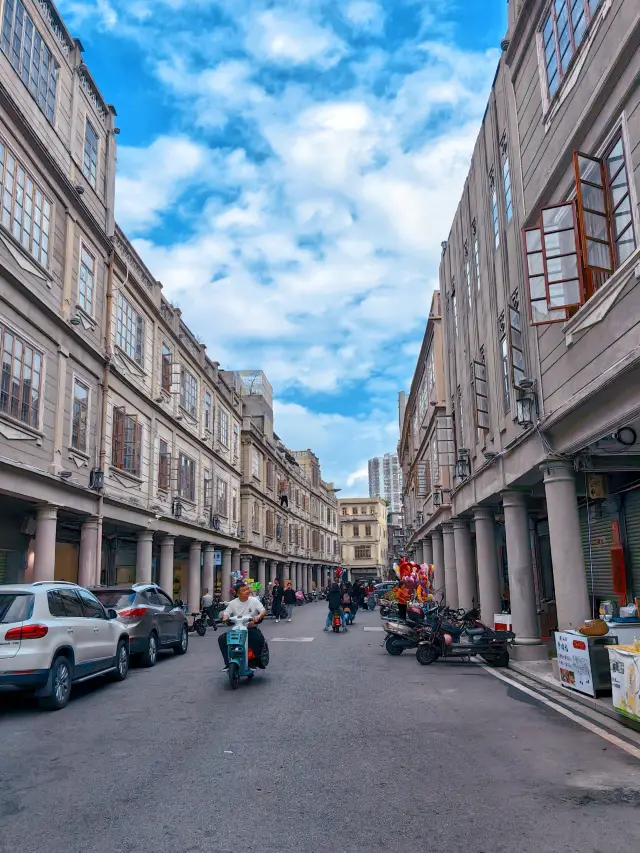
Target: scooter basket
<point>236,638</point>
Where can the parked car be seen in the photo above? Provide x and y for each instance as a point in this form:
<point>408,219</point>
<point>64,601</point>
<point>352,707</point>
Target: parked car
<point>381,589</point>
<point>53,635</point>
<point>153,620</point>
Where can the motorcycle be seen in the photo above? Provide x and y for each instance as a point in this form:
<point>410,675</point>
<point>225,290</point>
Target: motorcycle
<point>199,624</point>
<point>336,621</point>
<point>300,598</point>
<point>242,661</point>
<point>441,640</point>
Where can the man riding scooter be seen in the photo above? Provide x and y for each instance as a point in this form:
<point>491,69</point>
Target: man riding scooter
<point>245,605</point>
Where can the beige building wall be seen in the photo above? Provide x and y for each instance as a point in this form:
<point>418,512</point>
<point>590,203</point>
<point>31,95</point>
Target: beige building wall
<point>363,537</point>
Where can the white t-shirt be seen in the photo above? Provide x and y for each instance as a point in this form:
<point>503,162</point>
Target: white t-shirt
<point>251,607</point>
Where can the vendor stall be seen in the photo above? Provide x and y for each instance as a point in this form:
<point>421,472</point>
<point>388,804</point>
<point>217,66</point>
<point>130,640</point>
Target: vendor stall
<point>625,680</point>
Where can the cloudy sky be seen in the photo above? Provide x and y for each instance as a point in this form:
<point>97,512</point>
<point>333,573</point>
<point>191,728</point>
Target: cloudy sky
<point>288,170</point>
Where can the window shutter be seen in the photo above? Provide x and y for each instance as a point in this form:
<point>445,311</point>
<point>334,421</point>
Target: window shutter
<point>594,217</point>
<point>176,378</point>
<point>446,441</point>
<point>424,477</point>
<point>561,257</point>
<point>174,463</point>
<point>482,396</point>
<point>117,440</point>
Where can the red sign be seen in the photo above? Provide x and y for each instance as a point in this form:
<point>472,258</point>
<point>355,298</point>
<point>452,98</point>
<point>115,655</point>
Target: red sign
<point>579,644</point>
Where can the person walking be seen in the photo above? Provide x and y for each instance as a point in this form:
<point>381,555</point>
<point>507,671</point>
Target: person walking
<point>289,600</point>
<point>403,596</point>
<point>278,594</point>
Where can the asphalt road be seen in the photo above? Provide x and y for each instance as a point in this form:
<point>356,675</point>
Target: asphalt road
<point>336,747</point>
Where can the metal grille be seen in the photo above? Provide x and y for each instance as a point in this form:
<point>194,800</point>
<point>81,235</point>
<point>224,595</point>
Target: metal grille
<point>632,527</point>
<point>597,541</point>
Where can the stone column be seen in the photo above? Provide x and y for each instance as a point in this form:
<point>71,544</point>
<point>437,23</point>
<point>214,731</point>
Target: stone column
<point>522,594</point>
<point>208,578</point>
<point>245,566</point>
<point>262,576</point>
<point>464,564</point>
<point>569,573</point>
<point>44,564</point>
<point>310,577</point>
<point>194,590</point>
<point>427,552</point>
<point>420,553</point>
<point>144,556</point>
<point>229,557</point>
<point>450,574</point>
<point>489,583</point>
<point>273,570</point>
<point>88,552</point>
<point>166,564</point>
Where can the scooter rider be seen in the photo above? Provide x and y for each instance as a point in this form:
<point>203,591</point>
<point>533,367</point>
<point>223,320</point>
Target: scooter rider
<point>335,599</point>
<point>245,604</point>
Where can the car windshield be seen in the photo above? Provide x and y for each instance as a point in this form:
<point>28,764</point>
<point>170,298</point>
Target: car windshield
<point>116,598</point>
<point>15,607</point>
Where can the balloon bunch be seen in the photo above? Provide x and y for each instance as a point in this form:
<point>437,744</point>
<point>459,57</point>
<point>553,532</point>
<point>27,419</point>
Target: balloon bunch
<point>417,578</point>
<point>243,575</point>
<point>338,574</point>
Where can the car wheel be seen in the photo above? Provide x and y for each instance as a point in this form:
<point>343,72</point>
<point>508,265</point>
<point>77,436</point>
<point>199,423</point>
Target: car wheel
<point>183,645</point>
<point>58,689</point>
<point>122,661</point>
<point>150,654</point>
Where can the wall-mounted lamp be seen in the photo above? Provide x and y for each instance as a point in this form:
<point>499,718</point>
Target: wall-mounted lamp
<point>462,464</point>
<point>176,509</point>
<point>526,403</point>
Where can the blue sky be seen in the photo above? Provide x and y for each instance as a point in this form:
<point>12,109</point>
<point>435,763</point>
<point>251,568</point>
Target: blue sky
<point>288,170</point>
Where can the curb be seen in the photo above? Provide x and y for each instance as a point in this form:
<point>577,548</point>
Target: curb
<point>587,701</point>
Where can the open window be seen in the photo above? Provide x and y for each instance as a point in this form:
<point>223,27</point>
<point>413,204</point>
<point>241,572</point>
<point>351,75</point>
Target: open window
<point>595,220</point>
<point>423,473</point>
<point>482,396</point>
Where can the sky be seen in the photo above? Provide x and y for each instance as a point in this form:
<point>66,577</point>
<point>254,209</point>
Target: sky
<point>288,171</point>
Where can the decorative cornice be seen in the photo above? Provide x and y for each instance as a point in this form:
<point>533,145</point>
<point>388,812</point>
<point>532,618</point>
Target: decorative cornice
<point>92,92</point>
<point>59,30</point>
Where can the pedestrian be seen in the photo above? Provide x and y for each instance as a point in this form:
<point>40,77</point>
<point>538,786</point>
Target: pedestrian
<point>278,594</point>
<point>403,596</point>
<point>289,600</point>
<point>207,599</point>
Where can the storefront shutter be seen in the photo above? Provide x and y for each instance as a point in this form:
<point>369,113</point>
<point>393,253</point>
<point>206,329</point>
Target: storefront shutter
<point>597,558</point>
<point>3,566</point>
<point>632,528</point>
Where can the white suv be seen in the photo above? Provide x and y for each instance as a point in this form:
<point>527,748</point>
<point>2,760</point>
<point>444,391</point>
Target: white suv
<point>53,635</point>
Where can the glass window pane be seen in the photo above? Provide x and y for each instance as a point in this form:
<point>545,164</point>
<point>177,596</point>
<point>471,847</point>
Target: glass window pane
<point>620,223</point>
<point>598,255</point>
<point>595,225</point>
<point>626,245</point>
<point>567,293</point>
<point>559,243</point>
<point>562,268</point>
<point>593,198</point>
<point>537,287</point>
<point>557,218</point>
<point>534,240</point>
<point>535,264</point>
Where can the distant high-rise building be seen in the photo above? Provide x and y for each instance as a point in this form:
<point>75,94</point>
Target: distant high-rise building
<point>385,480</point>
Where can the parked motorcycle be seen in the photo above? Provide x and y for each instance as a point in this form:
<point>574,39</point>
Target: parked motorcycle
<point>199,624</point>
<point>441,640</point>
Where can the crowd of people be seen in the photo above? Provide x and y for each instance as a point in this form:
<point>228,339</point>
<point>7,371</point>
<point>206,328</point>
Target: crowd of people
<point>347,598</point>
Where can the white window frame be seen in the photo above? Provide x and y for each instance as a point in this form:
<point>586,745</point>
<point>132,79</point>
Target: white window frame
<point>220,495</point>
<point>223,427</point>
<point>191,497</point>
<point>87,305</point>
<point>92,178</point>
<point>125,310</point>
<point>255,463</point>
<point>188,392</point>
<point>7,327</point>
<point>77,380</point>
<point>208,410</point>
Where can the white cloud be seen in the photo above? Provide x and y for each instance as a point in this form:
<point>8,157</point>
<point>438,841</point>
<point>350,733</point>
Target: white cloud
<point>286,37</point>
<point>366,15</point>
<point>151,179</point>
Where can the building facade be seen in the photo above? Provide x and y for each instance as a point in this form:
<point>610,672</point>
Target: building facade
<point>540,281</point>
<point>121,441</point>
<point>385,480</point>
<point>288,514</point>
<point>363,537</point>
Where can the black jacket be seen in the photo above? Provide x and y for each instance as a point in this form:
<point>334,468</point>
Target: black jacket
<point>277,592</point>
<point>334,600</point>
<point>289,596</point>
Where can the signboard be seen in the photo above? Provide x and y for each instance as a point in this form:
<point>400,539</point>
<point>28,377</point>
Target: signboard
<point>625,680</point>
<point>574,663</point>
<point>217,558</point>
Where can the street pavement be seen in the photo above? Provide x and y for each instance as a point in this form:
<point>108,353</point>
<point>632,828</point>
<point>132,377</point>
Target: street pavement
<point>336,747</point>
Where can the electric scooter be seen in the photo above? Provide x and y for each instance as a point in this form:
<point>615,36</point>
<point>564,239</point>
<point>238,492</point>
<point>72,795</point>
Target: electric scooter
<point>242,661</point>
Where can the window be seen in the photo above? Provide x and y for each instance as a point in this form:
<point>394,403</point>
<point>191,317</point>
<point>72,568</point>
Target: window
<point>223,427</point>
<point>270,523</point>
<point>506,179</point>
<point>467,271</point>
<point>207,488</point>
<point>255,517</point>
<point>255,463</point>
<point>344,510</point>
<point>494,208</point>
<point>291,534</point>
<point>222,492</point>
<point>69,601</point>
<point>85,284</point>
<point>234,504</point>
<point>431,375</point>
<point>25,209</point>
<point>79,416</point>
<point>624,236</point>
<point>164,465</point>
<point>363,552</point>
<point>424,399</point>
<point>271,474</point>
<point>516,346</point>
<point>90,160</point>
<point>21,379</point>
<point>367,530</point>
<point>435,463</point>
<point>454,304</point>
<point>129,330</point>
<point>354,510</point>
<point>562,33</point>
<point>423,475</point>
<point>91,607</point>
<point>236,440</point>
<point>166,369</point>
<point>186,478</point>
<point>476,256</point>
<point>25,48</point>
<point>188,392</point>
<point>315,541</point>
<point>372,510</point>
<point>356,530</point>
<point>126,442</point>
<point>506,384</point>
<point>208,411</point>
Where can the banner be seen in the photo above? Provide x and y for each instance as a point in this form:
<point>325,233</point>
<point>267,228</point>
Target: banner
<point>574,663</point>
<point>625,680</point>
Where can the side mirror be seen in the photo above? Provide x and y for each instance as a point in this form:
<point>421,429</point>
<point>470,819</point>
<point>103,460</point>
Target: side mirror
<point>111,613</point>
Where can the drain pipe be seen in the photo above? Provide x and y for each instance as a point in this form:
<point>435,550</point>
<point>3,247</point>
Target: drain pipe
<point>105,408</point>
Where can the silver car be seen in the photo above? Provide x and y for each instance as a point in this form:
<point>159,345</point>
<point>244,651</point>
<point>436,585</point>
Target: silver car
<point>154,622</point>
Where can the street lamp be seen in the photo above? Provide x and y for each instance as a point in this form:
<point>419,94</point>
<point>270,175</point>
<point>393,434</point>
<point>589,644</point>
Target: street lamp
<point>176,509</point>
<point>462,464</point>
<point>526,403</point>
